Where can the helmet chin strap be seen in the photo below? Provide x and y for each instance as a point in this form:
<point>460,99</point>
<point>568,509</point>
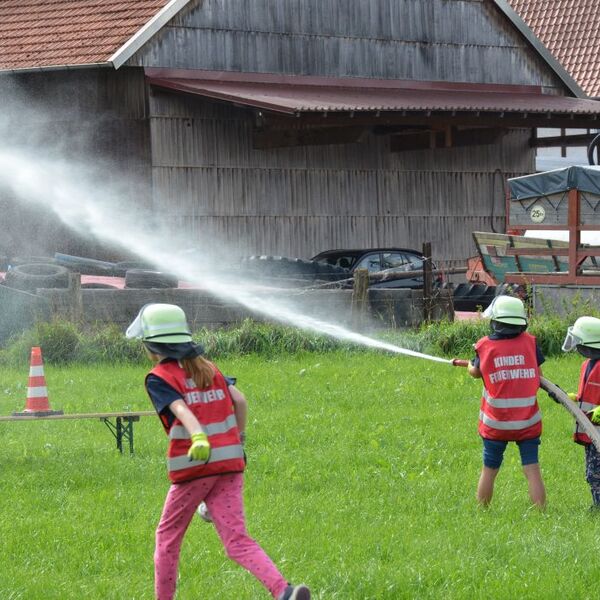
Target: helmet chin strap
<point>506,328</point>
<point>587,352</point>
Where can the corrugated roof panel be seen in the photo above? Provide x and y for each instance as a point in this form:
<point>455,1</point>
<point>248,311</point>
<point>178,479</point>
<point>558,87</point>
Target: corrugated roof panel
<point>291,95</point>
<point>570,31</point>
<point>38,33</point>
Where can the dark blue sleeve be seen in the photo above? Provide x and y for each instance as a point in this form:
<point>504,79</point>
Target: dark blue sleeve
<point>230,380</point>
<point>162,395</point>
<point>475,361</point>
<point>540,357</point>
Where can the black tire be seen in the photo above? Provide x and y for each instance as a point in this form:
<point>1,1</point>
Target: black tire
<point>144,279</point>
<point>293,268</point>
<point>474,297</point>
<point>85,266</point>
<point>121,268</point>
<point>461,290</point>
<point>98,286</point>
<point>14,261</point>
<point>30,277</point>
<point>511,289</point>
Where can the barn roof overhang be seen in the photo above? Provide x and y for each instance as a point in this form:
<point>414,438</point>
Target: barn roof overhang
<point>277,99</point>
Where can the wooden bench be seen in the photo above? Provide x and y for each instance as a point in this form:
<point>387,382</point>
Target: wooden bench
<point>121,428</point>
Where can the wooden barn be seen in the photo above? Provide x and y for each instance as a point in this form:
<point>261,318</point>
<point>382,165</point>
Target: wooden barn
<point>283,127</point>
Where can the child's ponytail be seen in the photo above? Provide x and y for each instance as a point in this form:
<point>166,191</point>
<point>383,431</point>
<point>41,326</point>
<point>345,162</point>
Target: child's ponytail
<point>198,369</point>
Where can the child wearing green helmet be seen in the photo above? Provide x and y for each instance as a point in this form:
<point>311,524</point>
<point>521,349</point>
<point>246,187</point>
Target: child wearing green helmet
<point>584,336</point>
<point>205,458</point>
<point>508,360</point>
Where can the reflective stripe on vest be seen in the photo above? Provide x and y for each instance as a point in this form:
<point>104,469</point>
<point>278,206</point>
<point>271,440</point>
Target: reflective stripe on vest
<point>213,408</point>
<point>510,425</point>
<point>178,463</point>
<point>178,432</point>
<point>508,402</point>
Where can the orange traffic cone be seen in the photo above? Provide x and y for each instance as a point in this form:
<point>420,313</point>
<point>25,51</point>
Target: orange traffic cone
<point>37,403</point>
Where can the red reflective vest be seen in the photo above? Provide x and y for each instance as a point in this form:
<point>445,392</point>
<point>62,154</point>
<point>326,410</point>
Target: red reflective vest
<point>213,407</point>
<point>588,395</point>
<point>509,409</point>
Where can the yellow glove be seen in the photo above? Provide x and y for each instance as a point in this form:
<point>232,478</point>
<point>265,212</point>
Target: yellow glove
<point>594,416</point>
<point>200,448</point>
<point>572,396</point>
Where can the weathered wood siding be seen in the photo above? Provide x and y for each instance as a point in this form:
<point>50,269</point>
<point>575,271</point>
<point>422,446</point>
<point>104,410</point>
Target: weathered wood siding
<point>299,201</point>
<point>449,40</point>
<point>97,117</point>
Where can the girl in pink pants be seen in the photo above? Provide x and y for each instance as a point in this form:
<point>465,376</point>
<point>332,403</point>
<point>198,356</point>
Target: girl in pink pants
<point>202,413</point>
<point>223,497</point>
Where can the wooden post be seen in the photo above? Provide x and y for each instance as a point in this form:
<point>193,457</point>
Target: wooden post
<point>427,282</point>
<point>360,292</point>
<point>75,298</point>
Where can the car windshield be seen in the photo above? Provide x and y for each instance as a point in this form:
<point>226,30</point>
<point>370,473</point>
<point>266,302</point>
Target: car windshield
<point>340,259</point>
<point>390,261</point>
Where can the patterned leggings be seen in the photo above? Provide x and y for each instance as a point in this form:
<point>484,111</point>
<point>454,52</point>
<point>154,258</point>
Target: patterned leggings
<point>592,471</point>
<point>223,497</point>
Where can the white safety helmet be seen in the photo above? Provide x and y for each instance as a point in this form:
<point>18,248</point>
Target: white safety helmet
<point>506,309</point>
<point>161,323</point>
<point>584,332</point>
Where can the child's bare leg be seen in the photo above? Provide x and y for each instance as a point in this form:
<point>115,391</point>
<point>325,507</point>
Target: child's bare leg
<point>537,491</point>
<point>485,488</point>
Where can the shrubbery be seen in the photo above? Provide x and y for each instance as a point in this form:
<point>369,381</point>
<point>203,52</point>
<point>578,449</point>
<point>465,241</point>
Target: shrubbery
<point>63,342</point>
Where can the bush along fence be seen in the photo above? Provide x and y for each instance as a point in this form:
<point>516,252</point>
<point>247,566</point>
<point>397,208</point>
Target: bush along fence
<point>371,308</point>
<point>63,342</point>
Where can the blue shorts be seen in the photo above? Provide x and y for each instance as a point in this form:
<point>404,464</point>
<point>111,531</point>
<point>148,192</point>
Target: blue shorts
<point>493,452</point>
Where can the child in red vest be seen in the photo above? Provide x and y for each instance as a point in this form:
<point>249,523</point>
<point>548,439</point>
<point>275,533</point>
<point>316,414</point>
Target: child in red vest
<point>584,336</point>
<point>508,361</point>
<point>205,456</point>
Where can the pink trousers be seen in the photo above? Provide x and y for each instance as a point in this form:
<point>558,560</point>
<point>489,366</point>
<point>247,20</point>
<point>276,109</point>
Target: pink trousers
<point>223,497</point>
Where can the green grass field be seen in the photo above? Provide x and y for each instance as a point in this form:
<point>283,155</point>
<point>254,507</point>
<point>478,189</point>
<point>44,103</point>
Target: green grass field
<point>360,482</point>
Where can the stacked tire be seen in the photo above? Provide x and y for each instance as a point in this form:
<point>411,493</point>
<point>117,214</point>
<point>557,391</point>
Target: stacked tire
<point>471,297</point>
<point>30,277</point>
<point>291,270</point>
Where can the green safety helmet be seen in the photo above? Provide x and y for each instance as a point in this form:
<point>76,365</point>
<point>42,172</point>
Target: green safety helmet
<point>507,309</point>
<point>584,332</point>
<point>161,323</point>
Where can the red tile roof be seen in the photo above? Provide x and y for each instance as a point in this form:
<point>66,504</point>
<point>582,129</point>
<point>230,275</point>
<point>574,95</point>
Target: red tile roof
<point>300,94</point>
<point>44,33</point>
<point>570,30</point>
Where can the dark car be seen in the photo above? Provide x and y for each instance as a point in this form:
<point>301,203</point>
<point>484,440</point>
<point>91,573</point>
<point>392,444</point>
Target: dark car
<point>386,261</point>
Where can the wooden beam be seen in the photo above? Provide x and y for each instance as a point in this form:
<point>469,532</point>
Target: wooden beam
<point>437,120</point>
<point>564,141</point>
<point>314,136</point>
<point>551,279</point>
<point>451,137</point>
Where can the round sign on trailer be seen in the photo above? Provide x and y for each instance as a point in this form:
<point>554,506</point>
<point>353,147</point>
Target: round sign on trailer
<point>537,213</point>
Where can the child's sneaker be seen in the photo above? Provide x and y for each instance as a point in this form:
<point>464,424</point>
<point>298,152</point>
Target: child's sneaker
<point>203,513</point>
<point>295,592</point>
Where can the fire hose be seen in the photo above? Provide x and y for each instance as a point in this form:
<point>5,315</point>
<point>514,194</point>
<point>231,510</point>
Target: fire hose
<point>562,398</point>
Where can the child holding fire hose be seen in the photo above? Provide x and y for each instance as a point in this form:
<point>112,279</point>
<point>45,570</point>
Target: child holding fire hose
<point>508,361</point>
<point>205,455</point>
<point>584,336</point>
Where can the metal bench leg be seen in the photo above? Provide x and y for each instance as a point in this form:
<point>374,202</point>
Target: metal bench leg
<point>119,435</point>
<point>122,430</point>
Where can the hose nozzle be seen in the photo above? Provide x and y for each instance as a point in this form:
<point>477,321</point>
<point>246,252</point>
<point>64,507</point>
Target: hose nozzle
<point>460,362</point>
